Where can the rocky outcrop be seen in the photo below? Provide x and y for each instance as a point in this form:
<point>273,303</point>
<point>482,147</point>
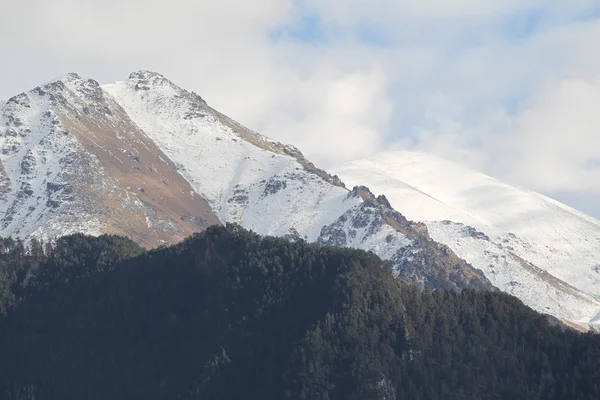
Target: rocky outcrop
<point>421,260</point>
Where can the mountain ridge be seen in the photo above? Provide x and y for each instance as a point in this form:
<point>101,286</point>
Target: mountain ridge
<point>161,163</point>
<point>527,244</point>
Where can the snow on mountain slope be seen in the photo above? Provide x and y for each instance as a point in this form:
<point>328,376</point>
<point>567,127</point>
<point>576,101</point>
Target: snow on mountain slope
<point>35,169</point>
<point>272,189</point>
<point>258,186</point>
<point>146,159</point>
<point>536,248</point>
<point>73,161</point>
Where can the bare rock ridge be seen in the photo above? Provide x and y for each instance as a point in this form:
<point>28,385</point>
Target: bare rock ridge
<point>149,160</point>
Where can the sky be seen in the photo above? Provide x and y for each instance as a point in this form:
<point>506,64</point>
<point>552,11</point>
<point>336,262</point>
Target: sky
<point>511,87</point>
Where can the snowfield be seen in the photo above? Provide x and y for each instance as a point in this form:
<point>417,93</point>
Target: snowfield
<point>542,251</point>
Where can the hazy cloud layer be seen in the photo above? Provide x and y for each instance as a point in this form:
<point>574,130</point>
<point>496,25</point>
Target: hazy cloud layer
<point>511,87</point>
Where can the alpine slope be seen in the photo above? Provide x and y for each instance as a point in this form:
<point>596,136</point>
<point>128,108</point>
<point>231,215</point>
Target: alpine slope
<point>543,252</point>
<point>149,160</point>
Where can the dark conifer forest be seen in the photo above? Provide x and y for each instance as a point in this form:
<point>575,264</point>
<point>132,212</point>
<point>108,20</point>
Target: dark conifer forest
<point>228,314</point>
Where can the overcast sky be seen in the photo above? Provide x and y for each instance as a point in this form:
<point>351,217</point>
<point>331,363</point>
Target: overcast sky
<point>510,87</point>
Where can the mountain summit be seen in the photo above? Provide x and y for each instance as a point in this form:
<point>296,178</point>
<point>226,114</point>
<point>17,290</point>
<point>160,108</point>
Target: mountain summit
<point>74,161</point>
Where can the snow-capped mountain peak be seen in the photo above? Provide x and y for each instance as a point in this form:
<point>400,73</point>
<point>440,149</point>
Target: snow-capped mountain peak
<point>73,161</point>
<point>150,160</point>
<point>271,187</point>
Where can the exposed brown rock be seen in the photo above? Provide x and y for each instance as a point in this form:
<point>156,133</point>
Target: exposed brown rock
<point>141,194</point>
<point>574,326</point>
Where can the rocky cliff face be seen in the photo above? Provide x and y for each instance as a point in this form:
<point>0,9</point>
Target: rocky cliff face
<point>149,160</point>
<point>375,225</point>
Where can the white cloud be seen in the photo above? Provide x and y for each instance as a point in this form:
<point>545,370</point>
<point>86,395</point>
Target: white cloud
<point>332,110</point>
<point>334,115</point>
<point>551,145</point>
<point>447,76</point>
<point>547,136</point>
<point>356,12</point>
<point>556,140</point>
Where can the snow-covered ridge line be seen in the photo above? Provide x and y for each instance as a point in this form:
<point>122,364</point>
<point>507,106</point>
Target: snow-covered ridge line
<point>262,184</point>
<point>149,160</point>
<point>508,232</point>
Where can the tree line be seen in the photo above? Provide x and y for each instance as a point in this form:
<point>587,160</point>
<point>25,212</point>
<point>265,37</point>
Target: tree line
<point>227,314</point>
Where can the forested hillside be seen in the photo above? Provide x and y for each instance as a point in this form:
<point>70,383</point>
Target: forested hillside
<point>227,314</point>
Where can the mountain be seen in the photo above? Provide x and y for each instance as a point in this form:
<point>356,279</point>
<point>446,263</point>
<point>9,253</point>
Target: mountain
<point>149,160</point>
<point>73,161</point>
<point>228,314</point>
<point>542,251</point>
